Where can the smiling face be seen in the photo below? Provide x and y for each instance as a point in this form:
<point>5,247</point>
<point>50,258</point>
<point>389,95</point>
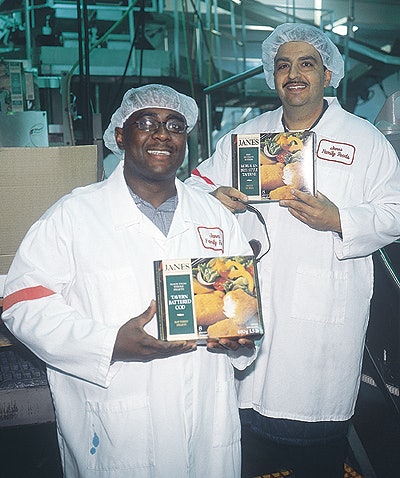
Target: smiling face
<point>151,156</point>
<point>300,76</point>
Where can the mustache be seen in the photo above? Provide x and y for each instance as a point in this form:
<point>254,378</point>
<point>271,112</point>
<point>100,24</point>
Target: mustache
<point>294,82</point>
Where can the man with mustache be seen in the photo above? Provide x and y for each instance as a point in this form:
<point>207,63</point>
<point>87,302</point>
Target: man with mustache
<point>317,278</point>
<point>80,295</point>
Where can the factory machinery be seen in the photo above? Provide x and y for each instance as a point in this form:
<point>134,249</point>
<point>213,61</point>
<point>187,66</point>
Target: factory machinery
<point>64,64</point>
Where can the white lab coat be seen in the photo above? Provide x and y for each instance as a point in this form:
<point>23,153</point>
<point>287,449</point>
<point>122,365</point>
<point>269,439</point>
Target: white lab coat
<point>82,271</point>
<point>316,287</point>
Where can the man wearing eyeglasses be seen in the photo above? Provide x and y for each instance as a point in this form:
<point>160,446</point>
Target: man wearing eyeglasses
<point>126,403</point>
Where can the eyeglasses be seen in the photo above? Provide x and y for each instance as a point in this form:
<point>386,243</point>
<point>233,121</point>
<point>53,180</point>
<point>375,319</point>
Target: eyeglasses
<point>150,125</point>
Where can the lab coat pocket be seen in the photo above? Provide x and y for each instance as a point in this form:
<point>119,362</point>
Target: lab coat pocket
<point>320,295</point>
<point>113,295</point>
<point>226,425</point>
<point>120,435</point>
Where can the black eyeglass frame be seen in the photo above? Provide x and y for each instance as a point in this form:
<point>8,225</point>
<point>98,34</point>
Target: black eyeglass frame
<point>157,125</point>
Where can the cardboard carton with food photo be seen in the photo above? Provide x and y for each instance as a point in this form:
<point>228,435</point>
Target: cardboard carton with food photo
<point>208,298</point>
<point>266,166</point>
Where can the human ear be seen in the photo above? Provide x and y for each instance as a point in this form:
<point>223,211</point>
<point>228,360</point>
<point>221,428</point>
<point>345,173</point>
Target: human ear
<point>119,137</point>
<point>328,77</point>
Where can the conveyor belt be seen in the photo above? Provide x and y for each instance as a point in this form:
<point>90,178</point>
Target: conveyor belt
<point>20,370</point>
<point>348,473</point>
<point>24,392</point>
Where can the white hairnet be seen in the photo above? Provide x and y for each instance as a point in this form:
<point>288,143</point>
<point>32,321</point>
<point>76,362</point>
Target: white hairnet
<point>287,32</point>
<point>149,96</point>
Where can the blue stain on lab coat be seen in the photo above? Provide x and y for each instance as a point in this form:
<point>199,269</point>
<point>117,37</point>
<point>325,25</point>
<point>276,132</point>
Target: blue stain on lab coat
<point>95,443</point>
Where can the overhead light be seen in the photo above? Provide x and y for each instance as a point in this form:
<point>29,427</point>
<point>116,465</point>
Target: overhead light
<point>259,28</point>
<point>340,26</point>
<point>238,2</point>
<point>342,29</point>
